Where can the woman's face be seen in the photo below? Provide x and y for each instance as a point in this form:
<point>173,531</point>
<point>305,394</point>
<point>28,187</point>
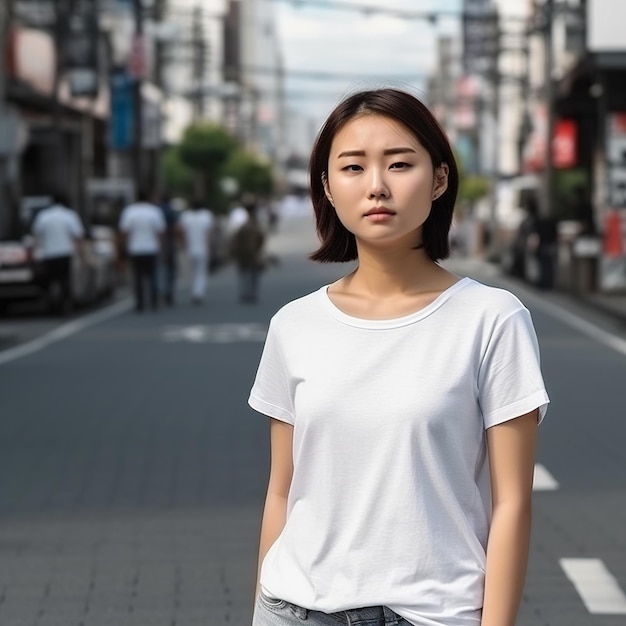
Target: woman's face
<point>381,181</point>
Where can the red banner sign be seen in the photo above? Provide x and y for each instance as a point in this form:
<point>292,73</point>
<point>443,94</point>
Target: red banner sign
<point>565,144</point>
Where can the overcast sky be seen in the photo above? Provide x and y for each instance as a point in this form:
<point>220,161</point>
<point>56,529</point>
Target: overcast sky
<point>356,50</point>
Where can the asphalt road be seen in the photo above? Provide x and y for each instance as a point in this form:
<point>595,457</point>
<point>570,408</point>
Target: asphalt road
<point>132,472</point>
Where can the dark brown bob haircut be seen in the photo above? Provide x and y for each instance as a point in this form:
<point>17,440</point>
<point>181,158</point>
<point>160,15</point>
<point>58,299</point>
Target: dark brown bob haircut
<point>338,244</point>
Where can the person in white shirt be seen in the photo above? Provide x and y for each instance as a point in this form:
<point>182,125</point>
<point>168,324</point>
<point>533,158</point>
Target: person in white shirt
<point>196,225</point>
<point>58,234</point>
<point>237,217</point>
<point>142,226</point>
<point>404,400</point>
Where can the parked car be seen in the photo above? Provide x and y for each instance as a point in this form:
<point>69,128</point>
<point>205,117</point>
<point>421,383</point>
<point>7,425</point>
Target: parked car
<point>93,273</point>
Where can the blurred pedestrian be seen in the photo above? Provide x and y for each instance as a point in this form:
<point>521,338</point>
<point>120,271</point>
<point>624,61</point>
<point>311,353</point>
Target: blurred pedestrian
<point>404,400</point>
<point>58,234</point>
<point>583,211</point>
<point>246,249</point>
<point>196,225</point>
<point>169,255</point>
<point>541,236</point>
<point>142,227</point>
<point>236,217</point>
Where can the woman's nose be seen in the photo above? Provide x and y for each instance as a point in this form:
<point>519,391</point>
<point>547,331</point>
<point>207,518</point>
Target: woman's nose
<point>378,188</point>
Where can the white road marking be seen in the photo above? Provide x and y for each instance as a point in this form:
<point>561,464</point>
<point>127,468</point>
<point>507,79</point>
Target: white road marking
<point>216,333</point>
<point>598,588</point>
<point>543,480</point>
<point>600,335</point>
<point>64,331</point>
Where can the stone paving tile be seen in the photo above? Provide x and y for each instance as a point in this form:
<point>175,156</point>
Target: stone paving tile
<point>159,568</point>
<point>196,567</point>
<point>567,524</point>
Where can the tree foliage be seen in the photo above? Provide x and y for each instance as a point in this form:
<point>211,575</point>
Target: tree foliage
<point>473,188</point>
<point>206,146</point>
<point>206,155</point>
<point>251,173</point>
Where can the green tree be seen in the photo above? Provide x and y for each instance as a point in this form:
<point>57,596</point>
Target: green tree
<point>472,187</point>
<point>252,173</point>
<point>205,149</point>
<point>565,184</point>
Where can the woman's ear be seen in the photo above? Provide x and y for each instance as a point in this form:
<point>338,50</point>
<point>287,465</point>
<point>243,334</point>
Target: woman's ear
<point>440,183</point>
<point>327,188</point>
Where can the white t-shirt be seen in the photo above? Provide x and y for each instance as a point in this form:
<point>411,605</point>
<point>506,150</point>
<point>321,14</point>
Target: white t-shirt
<point>196,226</point>
<point>236,218</point>
<point>390,497</point>
<point>143,222</point>
<point>56,229</point>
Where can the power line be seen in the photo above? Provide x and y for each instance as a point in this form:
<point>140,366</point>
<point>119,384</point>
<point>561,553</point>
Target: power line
<point>310,74</point>
<point>369,9</point>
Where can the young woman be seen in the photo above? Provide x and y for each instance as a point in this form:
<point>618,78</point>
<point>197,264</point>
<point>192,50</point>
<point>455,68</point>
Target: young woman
<point>404,400</point>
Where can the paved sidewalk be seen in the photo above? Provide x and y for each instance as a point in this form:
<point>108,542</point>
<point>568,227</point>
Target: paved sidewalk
<point>614,304</point>
<point>157,568</point>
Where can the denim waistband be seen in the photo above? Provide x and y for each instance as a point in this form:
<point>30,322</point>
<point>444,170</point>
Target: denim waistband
<point>365,616</point>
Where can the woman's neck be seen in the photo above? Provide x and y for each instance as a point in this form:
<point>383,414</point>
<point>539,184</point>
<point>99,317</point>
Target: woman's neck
<point>383,273</point>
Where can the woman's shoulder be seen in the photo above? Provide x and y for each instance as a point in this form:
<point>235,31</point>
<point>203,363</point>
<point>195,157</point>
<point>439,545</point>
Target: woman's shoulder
<point>300,308</point>
<point>489,299</point>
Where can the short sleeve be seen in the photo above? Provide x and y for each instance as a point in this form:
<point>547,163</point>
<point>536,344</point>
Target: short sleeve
<point>36,227</point>
<point>159,220</point>
<point>510,382</point>
<point>124,219</point>
<point>77,227</point>
<point>272,392</point>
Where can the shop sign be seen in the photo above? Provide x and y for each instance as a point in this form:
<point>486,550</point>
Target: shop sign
<point>480,36</point>
<point>32,59</point>
<point>613,262</point>
<point>613,266</point>
<point>565,144</point>
<point>81,49</point>
<point>122,106</point>
<point>605,26</point>
<point>137,63</point>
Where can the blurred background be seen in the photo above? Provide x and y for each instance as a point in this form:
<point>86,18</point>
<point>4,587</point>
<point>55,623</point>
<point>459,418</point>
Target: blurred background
<point>210,99</point>
<point>132,473</point>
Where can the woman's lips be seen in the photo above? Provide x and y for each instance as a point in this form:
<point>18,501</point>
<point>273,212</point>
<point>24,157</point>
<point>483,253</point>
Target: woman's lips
<point>379,215</point>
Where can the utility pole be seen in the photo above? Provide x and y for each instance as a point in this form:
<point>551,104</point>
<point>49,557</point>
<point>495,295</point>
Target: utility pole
<point>495,79</point>
<point>198,65</point>
<point>547,208</point>
<point>138,68</point>
<point>62,12</point>
<point>4,208</point>
<point>9,132</point>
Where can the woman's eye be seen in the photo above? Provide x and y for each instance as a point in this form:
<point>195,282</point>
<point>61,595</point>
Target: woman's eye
<point>400,165</point>
<point>352,168</point>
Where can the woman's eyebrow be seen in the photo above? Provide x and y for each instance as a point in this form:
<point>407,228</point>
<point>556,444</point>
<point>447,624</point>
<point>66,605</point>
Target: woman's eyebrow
<point>360,153</point>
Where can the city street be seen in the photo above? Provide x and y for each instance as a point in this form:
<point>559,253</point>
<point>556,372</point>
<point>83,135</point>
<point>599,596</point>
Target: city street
<point>132,471</point>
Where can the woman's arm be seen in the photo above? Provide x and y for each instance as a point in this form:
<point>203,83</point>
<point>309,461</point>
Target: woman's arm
<point>281,470</point>
<point>511,447</point>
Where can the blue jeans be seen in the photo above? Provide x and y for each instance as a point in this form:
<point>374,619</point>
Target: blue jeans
<point>249,283</point>
<point>271,612</point>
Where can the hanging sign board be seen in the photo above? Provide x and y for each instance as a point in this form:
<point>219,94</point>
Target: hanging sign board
<point>81,49</point>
